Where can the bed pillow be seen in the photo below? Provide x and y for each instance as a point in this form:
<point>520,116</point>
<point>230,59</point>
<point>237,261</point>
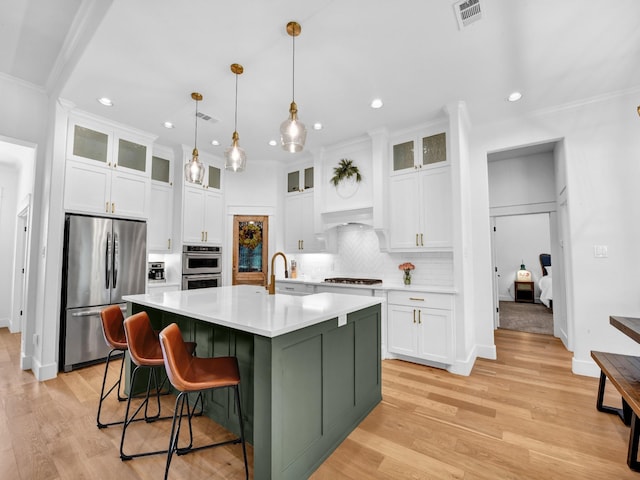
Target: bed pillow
<point>548,269</point>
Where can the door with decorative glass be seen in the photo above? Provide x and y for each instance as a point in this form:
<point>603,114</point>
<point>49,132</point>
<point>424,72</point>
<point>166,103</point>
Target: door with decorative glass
<point>250,250</point>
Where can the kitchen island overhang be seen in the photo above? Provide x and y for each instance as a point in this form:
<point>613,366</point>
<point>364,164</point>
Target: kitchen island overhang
<point>310,366</point>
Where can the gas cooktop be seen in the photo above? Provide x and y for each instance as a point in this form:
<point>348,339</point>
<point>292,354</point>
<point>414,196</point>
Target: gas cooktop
<point>353,281</point>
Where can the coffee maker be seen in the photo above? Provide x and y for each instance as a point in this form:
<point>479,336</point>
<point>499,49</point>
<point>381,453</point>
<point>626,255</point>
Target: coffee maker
<point>156,271</point>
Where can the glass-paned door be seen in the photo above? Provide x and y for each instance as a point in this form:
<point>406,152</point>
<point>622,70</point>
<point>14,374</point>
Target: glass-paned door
<point>250,250</point>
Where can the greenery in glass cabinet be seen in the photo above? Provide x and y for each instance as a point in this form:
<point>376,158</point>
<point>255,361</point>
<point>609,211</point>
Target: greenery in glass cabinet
<point>345,169</point>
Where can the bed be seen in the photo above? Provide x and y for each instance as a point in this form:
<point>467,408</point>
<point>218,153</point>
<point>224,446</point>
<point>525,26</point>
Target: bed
<point>545,282</point>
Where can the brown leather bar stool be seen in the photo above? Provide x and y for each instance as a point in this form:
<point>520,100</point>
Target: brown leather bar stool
<point>190,374</point>
<point>113,332</point>
<point>145,352</point>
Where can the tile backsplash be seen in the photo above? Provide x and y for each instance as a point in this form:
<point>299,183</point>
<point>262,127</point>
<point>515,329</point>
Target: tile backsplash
<point>359,255</point>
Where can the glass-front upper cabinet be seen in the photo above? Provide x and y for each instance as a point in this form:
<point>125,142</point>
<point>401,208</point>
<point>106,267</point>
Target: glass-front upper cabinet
<point>89,142</point>
<point>300,180</point>
<point>213,176</point>
<point>100,145</point>
<point>132,155</point>
<point>432,150</point>
<point>161,170</point>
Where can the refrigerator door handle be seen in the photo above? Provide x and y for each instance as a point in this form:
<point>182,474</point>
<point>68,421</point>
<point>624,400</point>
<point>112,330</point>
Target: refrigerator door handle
<point>115,259</point>
<point>107,263</point>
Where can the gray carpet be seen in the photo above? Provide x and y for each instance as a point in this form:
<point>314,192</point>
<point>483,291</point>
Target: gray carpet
<point>526,317</point>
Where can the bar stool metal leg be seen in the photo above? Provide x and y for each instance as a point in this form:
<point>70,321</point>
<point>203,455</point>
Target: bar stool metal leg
<point>116,386</point>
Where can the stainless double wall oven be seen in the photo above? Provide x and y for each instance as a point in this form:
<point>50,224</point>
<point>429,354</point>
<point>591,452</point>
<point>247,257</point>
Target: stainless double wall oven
<point>201,267</point>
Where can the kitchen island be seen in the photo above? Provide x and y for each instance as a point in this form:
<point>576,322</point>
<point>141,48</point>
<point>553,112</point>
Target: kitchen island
<point>310,366</point>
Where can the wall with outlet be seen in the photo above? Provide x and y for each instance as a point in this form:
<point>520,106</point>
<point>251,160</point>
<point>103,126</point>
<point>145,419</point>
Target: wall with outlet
<point>358,255</point>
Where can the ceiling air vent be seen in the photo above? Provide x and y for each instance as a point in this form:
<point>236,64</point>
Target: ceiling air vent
<point>206,118</point>
<point>467,12</point>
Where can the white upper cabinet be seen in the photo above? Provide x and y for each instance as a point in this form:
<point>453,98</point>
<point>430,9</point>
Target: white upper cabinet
<point>160,224</point>
<point>420,195</point>
<point>107,170</point>
<point>202,208</point>
<point>300,180</point>
<point>299,232</point>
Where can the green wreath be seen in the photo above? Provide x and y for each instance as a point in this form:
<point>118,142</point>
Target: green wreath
<point>345,169</point>
<point>250,235</point>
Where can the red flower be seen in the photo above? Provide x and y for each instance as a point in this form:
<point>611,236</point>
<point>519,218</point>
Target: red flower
<point>407,266</point>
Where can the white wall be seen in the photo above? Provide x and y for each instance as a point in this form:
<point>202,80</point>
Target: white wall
<point>25,117</point>
<point>8,190</point>
<point>521,180</point>
<point>602,144</point>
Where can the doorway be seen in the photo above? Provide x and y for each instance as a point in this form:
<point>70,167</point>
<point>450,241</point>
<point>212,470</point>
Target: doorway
<point>527,183</point>
<point>250,250</point>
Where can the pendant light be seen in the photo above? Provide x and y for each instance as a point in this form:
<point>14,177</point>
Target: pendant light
<point>194,169</point>
<point>293,133</point>
<point>235,157</point>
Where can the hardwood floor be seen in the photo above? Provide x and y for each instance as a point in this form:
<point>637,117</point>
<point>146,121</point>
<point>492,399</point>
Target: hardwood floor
<point>523,416</point>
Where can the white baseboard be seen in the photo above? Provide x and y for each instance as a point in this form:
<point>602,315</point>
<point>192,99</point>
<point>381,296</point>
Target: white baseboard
<point>588,368</point>
<point>26,362</point>
<point>4,322</point>
<point>44,372</point>
<point>487,351</point>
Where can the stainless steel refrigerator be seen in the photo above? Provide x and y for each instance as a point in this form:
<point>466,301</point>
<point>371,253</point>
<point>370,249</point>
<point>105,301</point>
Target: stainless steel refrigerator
<point>104,259</point>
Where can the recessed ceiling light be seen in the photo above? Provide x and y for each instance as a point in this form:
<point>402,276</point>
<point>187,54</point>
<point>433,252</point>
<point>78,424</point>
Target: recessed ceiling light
<point>215,143</point>
<point>376,103</point>
<point>514,96</point>
<point>317,126</point>
<point>106,101</point>
<point>169,125</point>
<point>273,143</point>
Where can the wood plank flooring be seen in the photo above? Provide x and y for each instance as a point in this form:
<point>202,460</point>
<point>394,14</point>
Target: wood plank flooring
<point>522,416</point>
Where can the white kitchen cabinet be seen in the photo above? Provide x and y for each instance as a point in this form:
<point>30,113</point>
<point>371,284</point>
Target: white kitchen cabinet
<point>107,170</point>
<point>291,288</point>
<point>203,210</point>
<point>160,224</point>
<point>300,180</point>
<point>420,326</point>
<point>421,206</point>
<point>299,229</point>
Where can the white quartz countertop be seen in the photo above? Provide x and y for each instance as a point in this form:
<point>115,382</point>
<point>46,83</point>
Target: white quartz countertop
<point>251,309</point>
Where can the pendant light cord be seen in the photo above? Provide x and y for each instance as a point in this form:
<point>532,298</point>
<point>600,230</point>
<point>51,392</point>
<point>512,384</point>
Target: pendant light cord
<point>293,71</point>
<point>235,121</point>
<point>195,142</point>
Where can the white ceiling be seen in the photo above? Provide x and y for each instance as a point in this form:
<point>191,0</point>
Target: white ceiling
<point>149,55</point>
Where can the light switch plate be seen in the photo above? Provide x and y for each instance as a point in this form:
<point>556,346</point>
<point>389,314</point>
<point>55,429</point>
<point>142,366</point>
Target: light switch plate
<point>600,251</point>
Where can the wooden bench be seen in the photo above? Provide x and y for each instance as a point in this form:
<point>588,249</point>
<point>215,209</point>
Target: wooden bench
<point>623,371</point>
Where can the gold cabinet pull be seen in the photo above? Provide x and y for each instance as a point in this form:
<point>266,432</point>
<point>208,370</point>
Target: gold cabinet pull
<point>416,299</point>
<point>419,317</point>
<point>113,208</point>
<point>417,244</point>
<point>106,207</point>
<point>168,244</point>
<point>421,241</point>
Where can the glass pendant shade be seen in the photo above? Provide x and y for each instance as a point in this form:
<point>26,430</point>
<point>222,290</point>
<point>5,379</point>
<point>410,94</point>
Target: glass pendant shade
<point>235,158</point>
<point>293,133</point>
<point>194,169</point>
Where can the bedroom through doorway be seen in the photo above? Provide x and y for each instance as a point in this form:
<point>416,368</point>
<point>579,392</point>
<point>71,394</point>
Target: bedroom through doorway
<point>527,215</point>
